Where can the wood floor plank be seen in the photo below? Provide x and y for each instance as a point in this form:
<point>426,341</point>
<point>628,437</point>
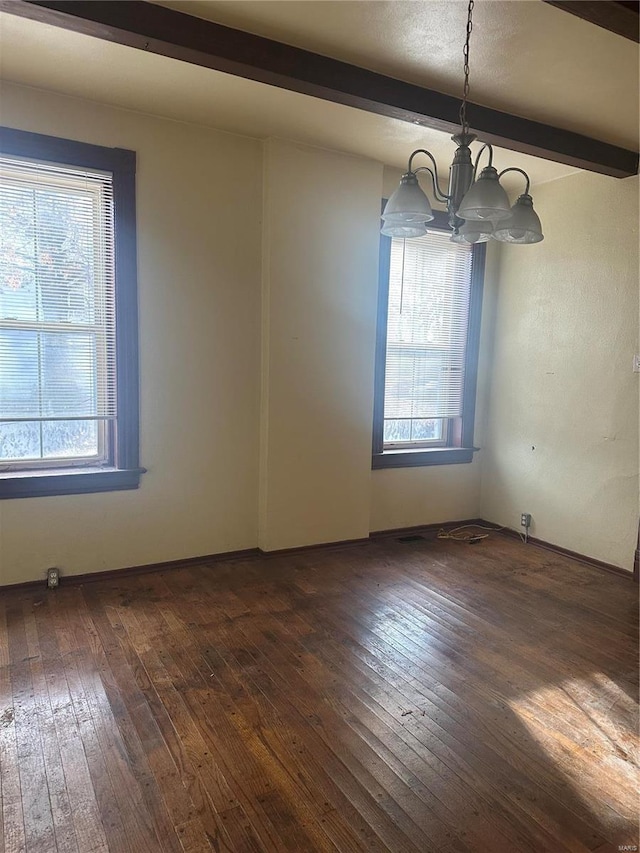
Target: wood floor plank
<point>13,835</point>
<point>561,716</point>
<point>251,718</point>
<point>391,697</point>
<point>387,701</point>
<point>257,793</point>
<point>382,825</point>
<point>165,799</point>
<point>36,807</point>
<point>244,639</point>
<point>421,695</point>
<point>553,718</point>
<point>402,644</point>
<point>279,723</point>
<point>494,840</point>
<point>191,808</point>
<point>63,826</point>
<point>423,773</point>
<point>91,794</point>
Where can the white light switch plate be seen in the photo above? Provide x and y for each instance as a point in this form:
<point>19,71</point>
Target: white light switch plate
<point>636,364</point>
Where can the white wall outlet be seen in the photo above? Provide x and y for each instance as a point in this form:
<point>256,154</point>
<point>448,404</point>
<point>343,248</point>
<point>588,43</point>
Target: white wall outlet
<point>53,578</point>
<point>636,363</point>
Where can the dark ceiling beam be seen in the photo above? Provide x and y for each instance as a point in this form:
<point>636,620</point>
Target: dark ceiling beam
<point>163,31</point>
<point>622,18</point>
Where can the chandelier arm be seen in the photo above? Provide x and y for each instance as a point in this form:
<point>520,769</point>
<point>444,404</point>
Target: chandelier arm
<point>436,189</point>
<point>434,175</point>
<point>489,148</point>
<point>522,172</point>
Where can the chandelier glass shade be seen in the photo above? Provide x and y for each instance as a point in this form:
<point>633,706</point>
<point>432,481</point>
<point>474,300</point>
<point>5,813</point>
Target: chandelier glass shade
<point>486,199</point>
<point>409,203</point>
<point>522,225</point>
<point>478,205</point>
<point>475,231</point>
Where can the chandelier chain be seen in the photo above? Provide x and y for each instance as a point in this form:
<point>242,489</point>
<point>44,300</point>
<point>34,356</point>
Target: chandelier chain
<point>465,52</point>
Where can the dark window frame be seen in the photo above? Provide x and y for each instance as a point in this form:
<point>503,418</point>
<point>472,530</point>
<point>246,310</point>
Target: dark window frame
<point>460,448</point>
<point>124,470</point>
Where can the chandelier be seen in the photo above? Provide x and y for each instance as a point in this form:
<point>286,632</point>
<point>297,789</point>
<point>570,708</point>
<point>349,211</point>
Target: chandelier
<point>478,206</point>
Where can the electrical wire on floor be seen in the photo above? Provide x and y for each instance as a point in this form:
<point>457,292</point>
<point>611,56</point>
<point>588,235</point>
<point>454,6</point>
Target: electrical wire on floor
<point>464,533</point>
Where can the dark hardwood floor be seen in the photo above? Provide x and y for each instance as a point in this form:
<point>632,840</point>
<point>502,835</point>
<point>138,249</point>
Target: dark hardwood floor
<point>424,696</point>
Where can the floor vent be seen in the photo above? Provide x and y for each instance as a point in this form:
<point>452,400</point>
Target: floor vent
<point>416,537</point>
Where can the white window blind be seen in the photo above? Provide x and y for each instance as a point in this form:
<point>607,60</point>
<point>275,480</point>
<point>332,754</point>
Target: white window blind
<point>428,313</point>
<point>57,308</point>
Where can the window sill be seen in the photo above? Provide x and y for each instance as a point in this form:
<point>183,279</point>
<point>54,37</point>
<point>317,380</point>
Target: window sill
<point>67,481</point>
<point>422,457</point>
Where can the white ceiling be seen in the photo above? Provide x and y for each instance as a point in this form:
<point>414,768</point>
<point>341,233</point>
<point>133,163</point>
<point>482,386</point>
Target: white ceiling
<point>527,58</point>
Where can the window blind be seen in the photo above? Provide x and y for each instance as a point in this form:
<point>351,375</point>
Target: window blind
<point>57,293</point>
<point>428,313</point>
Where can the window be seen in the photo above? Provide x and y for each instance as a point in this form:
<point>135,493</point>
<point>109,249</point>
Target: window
<point>430,296</point>
<point>68,317</point>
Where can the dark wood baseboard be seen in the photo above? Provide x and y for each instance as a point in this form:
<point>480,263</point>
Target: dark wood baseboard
<point>565,552</point>
<point>426,530</point>
<point>112,574</point>
<point>108,574</point>
<point>321,546</point>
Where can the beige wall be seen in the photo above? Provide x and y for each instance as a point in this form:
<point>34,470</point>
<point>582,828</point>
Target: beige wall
<point>562,380</point>
<point>409,497</point>
<point>271,446</point>
<point>199,210</point>
<point>320,250</point>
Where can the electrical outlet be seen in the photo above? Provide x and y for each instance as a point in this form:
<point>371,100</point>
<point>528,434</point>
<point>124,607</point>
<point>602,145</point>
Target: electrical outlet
<point>53,578</point>
<point>525,520</point>
<point>636,364</point>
